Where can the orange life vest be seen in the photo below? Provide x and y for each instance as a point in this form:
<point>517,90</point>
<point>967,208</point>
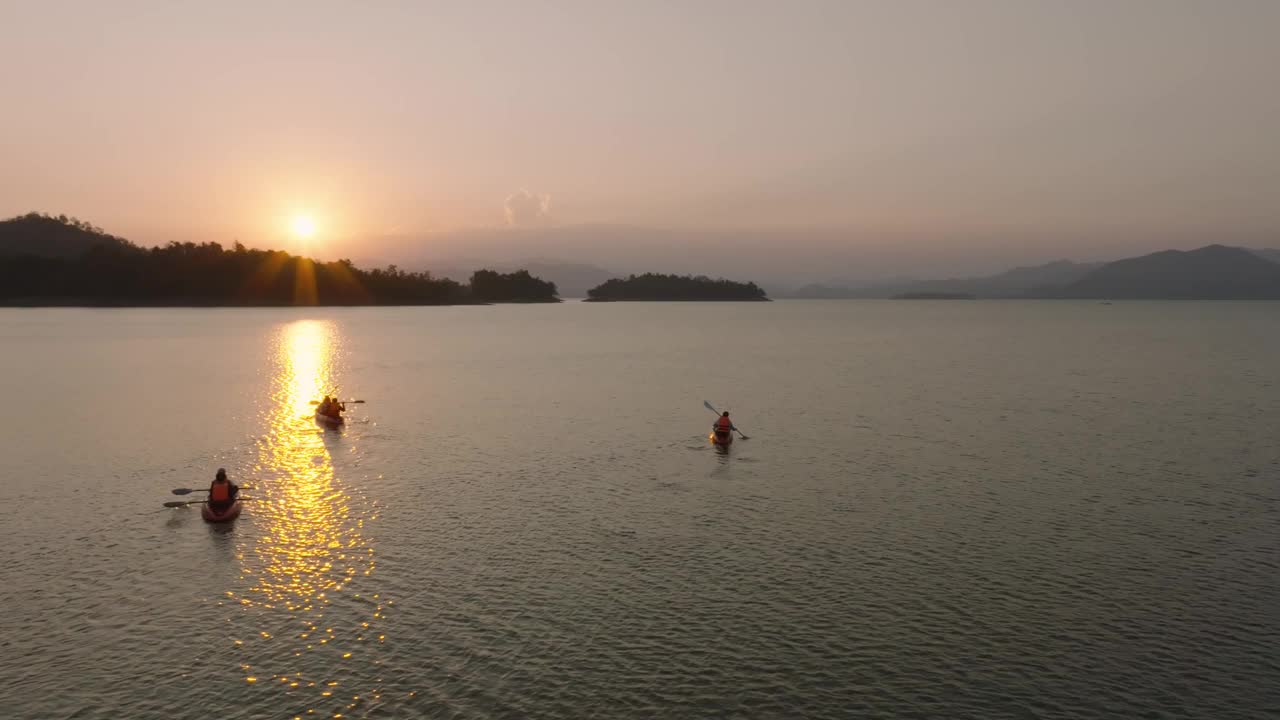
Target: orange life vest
<point>723,424</point>
<point>220,492</point>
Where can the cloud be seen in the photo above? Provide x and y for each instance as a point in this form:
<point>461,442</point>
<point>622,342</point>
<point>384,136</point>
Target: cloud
<point>525,209</point>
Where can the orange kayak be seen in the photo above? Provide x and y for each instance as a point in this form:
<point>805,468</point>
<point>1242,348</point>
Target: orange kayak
<point>227,514</point>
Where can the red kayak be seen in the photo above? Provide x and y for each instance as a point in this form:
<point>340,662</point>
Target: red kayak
<point>227,514</point>
<point>721,438</point>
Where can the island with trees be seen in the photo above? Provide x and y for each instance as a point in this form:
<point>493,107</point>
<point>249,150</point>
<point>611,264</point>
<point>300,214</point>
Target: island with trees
<point>652,286</point>
<point>46,260</point>
<point>515,287</point>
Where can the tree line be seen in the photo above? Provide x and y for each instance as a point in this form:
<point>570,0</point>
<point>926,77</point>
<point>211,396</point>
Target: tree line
<point>653,286</point>
<point>113,271</point>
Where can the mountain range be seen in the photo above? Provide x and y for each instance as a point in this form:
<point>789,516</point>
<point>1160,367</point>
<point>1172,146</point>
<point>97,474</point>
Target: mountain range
<point>1010,283</point>
<point>1213,272</point>
<point>1207,273</point>
<point>1210,272</point>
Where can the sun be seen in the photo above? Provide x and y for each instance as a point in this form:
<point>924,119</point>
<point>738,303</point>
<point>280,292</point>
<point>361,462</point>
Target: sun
<point>303,226</point>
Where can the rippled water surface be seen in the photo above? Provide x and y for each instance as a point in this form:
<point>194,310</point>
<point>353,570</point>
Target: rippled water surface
<point>944,510</point>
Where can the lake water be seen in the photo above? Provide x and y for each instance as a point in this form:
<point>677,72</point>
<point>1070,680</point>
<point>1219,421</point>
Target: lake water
<point>944,510</point>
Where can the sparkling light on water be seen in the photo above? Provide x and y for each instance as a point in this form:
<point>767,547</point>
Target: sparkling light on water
<point>309,551</point>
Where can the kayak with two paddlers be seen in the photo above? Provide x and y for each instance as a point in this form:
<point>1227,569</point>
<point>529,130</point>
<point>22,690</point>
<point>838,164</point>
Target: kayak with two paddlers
<point>329,410</point>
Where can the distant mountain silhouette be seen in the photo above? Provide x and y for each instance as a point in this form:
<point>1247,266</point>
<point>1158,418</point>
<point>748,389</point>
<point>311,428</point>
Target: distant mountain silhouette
<point>934,296</point>
<point>1214,272</point>
<point>1011,283</point>
<point>1271,254</point>
<point>60,237</point>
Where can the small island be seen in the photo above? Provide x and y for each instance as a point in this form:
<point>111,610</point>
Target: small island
<point>489,286</point>
<point>60,261</point>
<point>656,287</point>
<point>935,296</point>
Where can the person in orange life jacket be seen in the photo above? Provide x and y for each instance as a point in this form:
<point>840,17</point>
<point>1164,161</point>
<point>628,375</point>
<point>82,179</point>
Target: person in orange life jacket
<point>724,424</point>
<point>222,492</point>
<point>331,407</point>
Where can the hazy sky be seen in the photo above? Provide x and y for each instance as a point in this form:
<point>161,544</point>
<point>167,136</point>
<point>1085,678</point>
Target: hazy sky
<point>886,136</point>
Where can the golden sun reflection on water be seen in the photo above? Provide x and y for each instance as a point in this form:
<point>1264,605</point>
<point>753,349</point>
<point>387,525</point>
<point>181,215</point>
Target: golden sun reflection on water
<point>303,565</point>
<point>311,544</point>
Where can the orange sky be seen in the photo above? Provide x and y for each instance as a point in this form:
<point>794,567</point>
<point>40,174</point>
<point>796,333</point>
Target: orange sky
<point>1045,128</point>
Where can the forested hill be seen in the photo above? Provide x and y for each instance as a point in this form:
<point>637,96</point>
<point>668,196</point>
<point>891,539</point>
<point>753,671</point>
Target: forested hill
<point>39,265</point>
<point>43,235</point>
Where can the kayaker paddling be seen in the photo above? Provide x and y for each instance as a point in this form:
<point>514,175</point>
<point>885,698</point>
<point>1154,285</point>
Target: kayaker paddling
<point>331,407</point>
<point>222,492</point>
<point>329,411</point>
<point>723,429</point>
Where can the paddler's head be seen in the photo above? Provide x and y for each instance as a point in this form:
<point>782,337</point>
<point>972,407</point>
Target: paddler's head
<point>725,413</point>
<point>221,476</point>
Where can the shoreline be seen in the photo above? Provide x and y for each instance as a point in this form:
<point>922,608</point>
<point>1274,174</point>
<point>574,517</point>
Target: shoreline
<point>713,300</point>
<point>86,304</point>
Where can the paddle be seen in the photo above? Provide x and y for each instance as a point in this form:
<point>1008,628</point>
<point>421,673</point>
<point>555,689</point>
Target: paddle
<point>188,491</point>
<point>184,503</point>
<point>717,412</point>
<point>344,402</point>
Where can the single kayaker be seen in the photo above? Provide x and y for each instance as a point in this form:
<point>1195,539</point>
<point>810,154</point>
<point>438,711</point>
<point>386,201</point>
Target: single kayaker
<point>724,424</point>
<point>222,492</point>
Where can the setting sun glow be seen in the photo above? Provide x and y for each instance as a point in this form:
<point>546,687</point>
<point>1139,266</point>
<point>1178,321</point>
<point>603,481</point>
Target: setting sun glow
<point>303,226</point>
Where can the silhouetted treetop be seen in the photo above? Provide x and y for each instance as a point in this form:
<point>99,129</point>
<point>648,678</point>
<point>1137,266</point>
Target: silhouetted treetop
<point>44,235</point>
<point>652,286</point>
